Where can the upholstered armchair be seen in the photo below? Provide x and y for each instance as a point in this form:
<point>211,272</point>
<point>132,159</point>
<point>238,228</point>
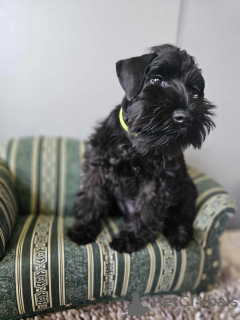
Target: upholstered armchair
<point>42,270</point>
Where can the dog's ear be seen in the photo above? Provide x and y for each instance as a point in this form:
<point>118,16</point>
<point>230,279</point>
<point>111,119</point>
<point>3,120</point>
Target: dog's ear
<point>131,73</point>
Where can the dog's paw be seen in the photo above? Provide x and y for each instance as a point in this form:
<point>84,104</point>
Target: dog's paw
<point>180,236</point>
<point>83,234</point>
<point>127,241</point>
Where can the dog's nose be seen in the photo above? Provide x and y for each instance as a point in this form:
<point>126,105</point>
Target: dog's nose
<point>181,116</point>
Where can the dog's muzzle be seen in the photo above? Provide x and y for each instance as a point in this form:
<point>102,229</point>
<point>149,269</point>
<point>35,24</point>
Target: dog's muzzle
<point>181,117</point>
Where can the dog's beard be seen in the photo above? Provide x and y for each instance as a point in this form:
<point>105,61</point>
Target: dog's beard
<point>158,134</point>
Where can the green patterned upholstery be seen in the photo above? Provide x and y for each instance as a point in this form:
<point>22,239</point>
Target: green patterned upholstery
<point>8,206</point>
<point>43,270</point>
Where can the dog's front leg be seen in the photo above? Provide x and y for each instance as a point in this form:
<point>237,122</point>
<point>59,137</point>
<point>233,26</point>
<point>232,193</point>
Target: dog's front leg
<point>178,227</point>
<point>136,234</point>
<point>143,225</point>
<point>91,205</point>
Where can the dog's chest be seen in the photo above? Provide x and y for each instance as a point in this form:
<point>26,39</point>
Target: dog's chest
<point>130,184</point>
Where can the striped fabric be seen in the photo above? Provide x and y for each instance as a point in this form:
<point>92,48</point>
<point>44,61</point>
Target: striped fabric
<point>47,171</point>
<point>8,206</point>
<point>43,270</point>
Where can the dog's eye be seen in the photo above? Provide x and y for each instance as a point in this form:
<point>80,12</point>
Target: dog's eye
<point>195,92</point>
<point>156,80</point>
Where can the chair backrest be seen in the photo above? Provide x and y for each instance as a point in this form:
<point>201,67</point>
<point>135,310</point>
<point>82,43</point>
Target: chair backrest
<point>46,173</point>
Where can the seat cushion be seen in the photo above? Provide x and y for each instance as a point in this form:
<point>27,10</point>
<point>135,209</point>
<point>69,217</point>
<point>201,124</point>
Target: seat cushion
<point>43,270</point>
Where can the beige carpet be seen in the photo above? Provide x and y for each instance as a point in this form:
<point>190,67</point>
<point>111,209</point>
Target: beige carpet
<point>229,284</point>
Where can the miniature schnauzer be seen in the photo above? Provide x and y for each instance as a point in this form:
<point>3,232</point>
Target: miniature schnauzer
<point>135,165</point>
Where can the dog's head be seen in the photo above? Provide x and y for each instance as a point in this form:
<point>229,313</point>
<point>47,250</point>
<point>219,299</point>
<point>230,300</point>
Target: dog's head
<point>164,104</point>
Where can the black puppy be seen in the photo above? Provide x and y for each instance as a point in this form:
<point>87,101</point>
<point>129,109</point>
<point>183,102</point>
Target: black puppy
<point>135,164</point>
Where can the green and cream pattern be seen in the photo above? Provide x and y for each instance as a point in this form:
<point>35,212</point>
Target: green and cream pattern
<point>42,270</point>
<point>8,206</point>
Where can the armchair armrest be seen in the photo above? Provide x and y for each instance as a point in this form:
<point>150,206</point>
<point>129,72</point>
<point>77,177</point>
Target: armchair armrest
<point>214,208</point>
<point>8,206</point>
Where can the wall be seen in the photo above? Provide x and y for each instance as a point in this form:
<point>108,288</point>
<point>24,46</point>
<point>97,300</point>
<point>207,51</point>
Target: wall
<point>57,59</point>
<point>57,66</point>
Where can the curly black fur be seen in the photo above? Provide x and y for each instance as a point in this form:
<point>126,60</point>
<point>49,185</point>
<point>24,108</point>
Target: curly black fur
<point>144,176</point>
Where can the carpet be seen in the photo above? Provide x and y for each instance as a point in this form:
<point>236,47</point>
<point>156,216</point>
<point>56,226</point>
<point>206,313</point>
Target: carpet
<point>210,305</point>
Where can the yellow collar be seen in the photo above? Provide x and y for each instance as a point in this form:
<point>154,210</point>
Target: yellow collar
<point>125,127</point>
